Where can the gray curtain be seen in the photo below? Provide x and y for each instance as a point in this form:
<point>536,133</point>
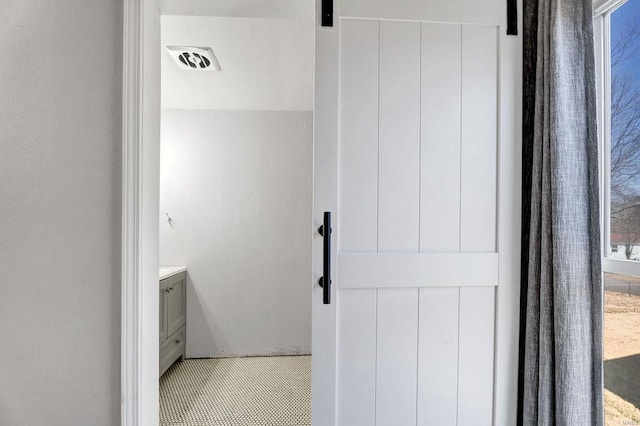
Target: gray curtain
<point>561,330</point>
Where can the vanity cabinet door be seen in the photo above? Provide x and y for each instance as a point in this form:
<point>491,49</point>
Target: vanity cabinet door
<point>163,314</point>
<point>176,304</point>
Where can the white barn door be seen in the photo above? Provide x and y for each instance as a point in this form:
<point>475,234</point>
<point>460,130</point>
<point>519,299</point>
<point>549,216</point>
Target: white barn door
<point>417,158</point>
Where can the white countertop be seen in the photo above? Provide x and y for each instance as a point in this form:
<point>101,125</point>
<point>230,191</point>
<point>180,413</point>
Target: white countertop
<point>169,271</point>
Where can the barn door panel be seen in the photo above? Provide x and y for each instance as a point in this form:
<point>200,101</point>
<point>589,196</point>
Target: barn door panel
<point>417,260</point>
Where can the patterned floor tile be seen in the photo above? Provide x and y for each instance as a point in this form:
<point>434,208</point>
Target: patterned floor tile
<point>253,391</point>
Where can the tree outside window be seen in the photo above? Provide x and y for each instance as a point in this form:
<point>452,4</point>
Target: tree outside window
<point>625,138</point>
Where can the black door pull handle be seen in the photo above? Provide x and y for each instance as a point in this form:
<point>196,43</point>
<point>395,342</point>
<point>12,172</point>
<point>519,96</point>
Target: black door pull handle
<point>325,279</point>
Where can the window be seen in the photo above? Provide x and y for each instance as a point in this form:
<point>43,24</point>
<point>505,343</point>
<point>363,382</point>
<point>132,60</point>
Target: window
<point>619,53</point>
<point>617,31</point>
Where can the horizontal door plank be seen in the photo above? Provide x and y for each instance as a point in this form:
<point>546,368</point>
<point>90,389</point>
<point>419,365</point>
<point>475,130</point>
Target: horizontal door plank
<point>396,270</point>
<point>468,11</point>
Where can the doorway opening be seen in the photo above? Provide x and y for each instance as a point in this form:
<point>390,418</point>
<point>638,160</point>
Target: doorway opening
<point>235,216</point>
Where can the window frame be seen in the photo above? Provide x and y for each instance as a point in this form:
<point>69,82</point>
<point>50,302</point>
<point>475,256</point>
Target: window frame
<point>602,44</point>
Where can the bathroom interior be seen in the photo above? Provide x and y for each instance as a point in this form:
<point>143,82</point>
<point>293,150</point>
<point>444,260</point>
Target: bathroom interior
<point>235,213</point>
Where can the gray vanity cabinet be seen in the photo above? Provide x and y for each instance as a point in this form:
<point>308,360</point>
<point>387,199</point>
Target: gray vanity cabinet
<point>173,319</point>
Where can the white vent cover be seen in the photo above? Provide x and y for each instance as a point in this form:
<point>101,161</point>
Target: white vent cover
<point>194,58</point>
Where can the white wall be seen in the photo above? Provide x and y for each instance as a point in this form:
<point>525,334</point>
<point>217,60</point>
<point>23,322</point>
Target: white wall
<point>292,9</point>
<point>267,64</point>
<point>60,118</point>
<point>237,185</point>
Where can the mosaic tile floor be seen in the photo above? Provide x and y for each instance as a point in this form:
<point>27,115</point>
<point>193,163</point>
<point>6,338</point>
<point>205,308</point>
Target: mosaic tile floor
<point>254,391</point>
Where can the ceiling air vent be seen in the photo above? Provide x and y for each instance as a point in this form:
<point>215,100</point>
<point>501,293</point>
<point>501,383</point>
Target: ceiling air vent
<point>194,58</point>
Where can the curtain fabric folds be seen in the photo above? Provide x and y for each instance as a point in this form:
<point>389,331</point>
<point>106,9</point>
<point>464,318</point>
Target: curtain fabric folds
<point>561,330</point>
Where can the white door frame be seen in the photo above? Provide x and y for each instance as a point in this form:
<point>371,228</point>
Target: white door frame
<point>131,108</point>
<point>140,193</point>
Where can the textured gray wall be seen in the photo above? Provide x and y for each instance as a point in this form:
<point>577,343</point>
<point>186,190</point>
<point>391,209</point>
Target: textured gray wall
<point>60,108</point>
<point>238,186</point>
